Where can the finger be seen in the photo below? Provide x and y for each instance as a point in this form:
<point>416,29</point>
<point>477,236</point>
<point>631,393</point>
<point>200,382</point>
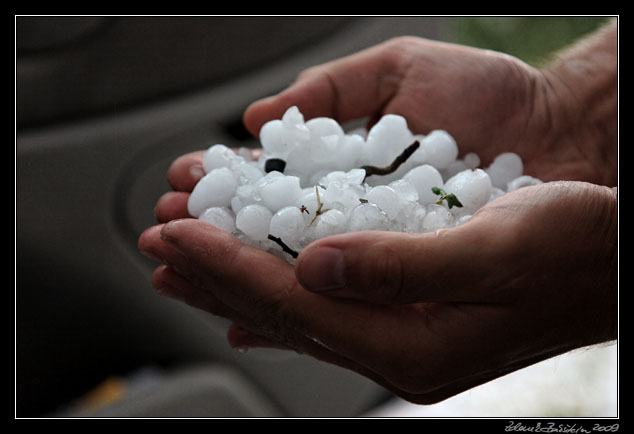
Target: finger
<point>171,284</point>
<point>172,206</point>
<point>186,171</point>
<point>416,349</point>
<point>242,339</point>
<point>349,88</point>
<point>462,264</point>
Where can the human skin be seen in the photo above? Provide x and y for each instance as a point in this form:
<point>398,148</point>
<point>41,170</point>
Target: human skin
<point>531,275</point>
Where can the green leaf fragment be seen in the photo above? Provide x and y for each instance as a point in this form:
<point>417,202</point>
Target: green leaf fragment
<point>451,199</point>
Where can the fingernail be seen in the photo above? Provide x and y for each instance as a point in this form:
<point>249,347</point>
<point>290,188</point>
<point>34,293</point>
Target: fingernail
<point>323,269</point>
<point>148,253</point>
<point>171,292</point>
<point>242,349</point>
<point>196,171</point>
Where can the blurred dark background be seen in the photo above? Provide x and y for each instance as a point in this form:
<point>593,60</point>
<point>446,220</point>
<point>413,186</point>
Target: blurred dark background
<point>103,105</point>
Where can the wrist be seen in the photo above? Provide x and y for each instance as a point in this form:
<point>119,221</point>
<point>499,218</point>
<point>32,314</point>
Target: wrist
<point>581,101</point>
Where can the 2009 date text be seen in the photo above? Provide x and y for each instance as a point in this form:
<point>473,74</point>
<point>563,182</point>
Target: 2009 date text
<point>552,427</point>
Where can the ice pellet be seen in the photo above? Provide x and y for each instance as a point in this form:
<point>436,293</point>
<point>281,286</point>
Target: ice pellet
<point>254,221</point>
<point>216,188</point>
<point>220,217</point>
<point>505,168</point>
<point>309,182</point>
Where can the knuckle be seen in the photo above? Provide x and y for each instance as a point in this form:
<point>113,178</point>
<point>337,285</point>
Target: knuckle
<point>388,276</point>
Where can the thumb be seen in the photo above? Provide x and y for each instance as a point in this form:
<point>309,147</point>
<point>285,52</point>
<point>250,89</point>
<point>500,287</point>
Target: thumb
<point>348,88</point>
<point>460,264</point>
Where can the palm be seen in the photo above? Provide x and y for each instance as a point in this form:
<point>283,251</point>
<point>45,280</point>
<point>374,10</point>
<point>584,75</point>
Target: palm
<point>490,102</point>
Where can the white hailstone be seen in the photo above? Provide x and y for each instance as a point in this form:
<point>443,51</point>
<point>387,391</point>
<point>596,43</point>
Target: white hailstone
<point>329,223</point>
<point>278,191</point>
<point>349,152</point>
<point>298,163</point>
<point>295,130</point>
<point>238,196</point>
<point>387,139</point>
<point>462,220</point>
<point>288,225</point>
<point>440,149</point>
<point>254,221</point>
<point>505,168</point>
<point>246,172</point>
<point>217,156</point>
<point>454,168</point>
<point>472,160</point>
<point>358,131</point>
<point>237,204</point>
<point>495,193</point>
<point>245,153</point>
<point>221,217</point>
<point>424,178</point>
<point>405,190</point>
<point>308,203</point>
<point>272,137</point>
<point>216,188</point>
<point>437,217</point>
<point>324,127</point>
<point>522,181</point>
<point>412,217</point>
<point>341,195</point>
<point>367,217</point>
<point>324,150</point>
<point>472,187</point>
<point>386,199</point>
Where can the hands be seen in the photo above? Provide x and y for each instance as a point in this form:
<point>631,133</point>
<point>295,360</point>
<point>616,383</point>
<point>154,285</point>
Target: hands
<point>531,275</point>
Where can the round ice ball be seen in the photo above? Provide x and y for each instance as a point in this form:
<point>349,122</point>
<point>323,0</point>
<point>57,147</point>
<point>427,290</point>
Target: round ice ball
<point>217,156</point>
<point>367,217</point>
<point>216,188</point>
<point>437,217</point>
<point>295,130</point>
<point>387,139</point>
<point>423,178</point>
<point>220,217</point>
<point>254,221</point>
<point>246,172</point>
<point>405,190</point>
<point>288,224</point>
<point>505,168</point>
<point>386,199</point>
<point>308,203</point>
<point>349,152</point>
<point>472,187</point>
<point>272,138</point>
<point>440,149</point>
<point>472,160</point>
<point>413,216</point>
<point>280,191</point>
<point>331,222</point>
<point>324,127</point>
<point>522,181</point>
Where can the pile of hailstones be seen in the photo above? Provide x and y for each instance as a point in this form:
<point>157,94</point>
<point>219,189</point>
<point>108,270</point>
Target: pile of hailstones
<point>313,180</point>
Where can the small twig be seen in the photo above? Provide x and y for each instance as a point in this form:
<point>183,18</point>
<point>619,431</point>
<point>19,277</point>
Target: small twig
<point>373,170</point>
<point>283,245</point>
<point>319,206</point>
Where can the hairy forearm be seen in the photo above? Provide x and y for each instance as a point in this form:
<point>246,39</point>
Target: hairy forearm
<point>585,80</point>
